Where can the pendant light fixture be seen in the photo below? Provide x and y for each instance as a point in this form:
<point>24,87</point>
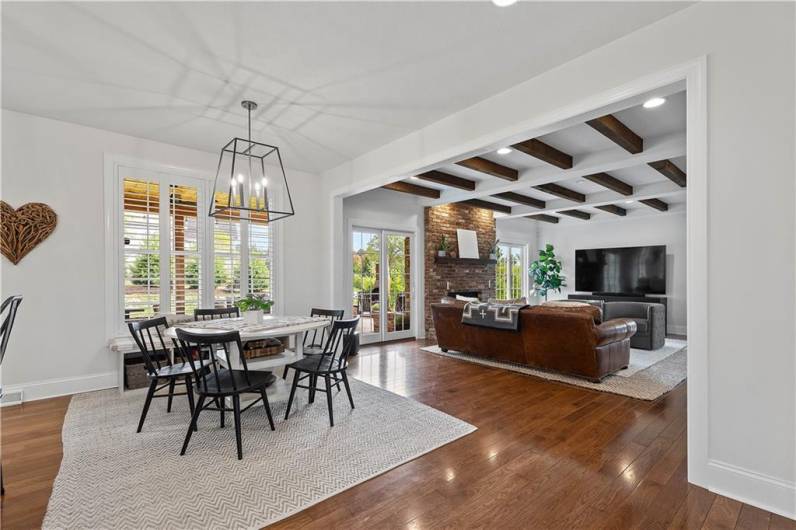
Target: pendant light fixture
<point>250,180</point>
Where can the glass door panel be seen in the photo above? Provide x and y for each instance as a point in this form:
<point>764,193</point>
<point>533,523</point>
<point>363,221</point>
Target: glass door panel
<point>509,272</point>
<point>399,283</point>
<point>366,262</point>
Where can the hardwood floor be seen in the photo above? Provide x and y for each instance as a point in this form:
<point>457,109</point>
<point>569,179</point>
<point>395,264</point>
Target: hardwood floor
<point>545,455</point>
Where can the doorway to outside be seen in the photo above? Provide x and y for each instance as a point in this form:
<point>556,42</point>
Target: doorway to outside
<point>510,272</point>
<point>382,283</point>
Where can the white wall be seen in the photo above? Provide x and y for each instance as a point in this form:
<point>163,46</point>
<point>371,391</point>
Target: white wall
<point>663,229</point>
<point>58,344</point>
<point>742,412</point>
<point>391,210</point>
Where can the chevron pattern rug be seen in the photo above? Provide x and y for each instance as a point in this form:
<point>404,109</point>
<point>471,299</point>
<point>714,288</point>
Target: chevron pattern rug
<point>111,477</point>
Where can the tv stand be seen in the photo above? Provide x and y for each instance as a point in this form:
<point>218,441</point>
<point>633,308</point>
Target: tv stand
<point>627,297</point>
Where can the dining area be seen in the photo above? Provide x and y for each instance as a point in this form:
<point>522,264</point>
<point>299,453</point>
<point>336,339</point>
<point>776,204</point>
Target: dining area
<point>227,363</point>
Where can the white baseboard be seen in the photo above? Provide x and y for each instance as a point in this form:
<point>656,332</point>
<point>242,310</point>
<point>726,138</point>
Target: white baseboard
<point>49,388</point>
<point>750,487</point>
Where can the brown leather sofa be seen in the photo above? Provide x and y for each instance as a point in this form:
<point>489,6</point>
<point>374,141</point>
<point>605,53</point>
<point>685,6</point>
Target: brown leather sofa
<point>571,341</point>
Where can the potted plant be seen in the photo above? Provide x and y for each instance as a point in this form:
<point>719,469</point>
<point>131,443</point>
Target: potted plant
<point>443,248</point>
<point>253,307</point>
<point>493,250</point>
<point>546,273</point>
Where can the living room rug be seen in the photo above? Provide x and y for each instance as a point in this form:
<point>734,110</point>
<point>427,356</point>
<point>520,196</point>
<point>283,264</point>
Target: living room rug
<point>111,477</point>
<point>649,375</point>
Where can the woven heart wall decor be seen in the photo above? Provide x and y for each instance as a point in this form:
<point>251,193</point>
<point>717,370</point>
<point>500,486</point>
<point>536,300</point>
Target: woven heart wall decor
<point>24,228</point>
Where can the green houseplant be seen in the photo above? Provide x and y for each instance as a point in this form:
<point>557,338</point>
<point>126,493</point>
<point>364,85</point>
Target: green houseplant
<point>444,247</point>
<point>546,273</point>
<point>254,303</point>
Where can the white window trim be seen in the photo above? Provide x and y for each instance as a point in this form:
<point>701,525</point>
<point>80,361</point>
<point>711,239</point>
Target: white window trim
<point>113,204</point>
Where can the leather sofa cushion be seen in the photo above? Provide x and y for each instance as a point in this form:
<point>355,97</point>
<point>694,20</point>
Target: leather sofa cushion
<point>586,309</point>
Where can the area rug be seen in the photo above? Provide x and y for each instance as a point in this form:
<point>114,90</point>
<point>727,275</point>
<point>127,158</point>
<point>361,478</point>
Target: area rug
<point>649,375</point>
<point>111,477</point>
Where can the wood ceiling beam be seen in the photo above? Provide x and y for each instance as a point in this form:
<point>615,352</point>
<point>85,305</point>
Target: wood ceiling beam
<point>655,203</point>
<point>612,183</point>
<point>619,133</point>
<point>483,165</point>
<point>670,145</point>
<point>561,191</point>
<point>546,153</point>
<point>577,214</point>
<point>486,205</point>
<point>446,179</point>
<point>544,218</point>
<point>520,199</point>
<point>414,189</point>
<point>670,171</point>
<point>613,208</point>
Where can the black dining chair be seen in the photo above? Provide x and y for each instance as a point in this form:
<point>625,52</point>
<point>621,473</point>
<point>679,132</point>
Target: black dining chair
<point>315,339</point>
<point>215,384</point>
<point>330,365</point>
<point>159,366</point>
<point>8,312</point>
<point>216,312</point>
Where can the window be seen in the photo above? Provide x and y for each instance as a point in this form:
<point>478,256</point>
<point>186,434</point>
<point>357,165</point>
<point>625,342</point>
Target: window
<point>166,255</point>
<point>510,271</point>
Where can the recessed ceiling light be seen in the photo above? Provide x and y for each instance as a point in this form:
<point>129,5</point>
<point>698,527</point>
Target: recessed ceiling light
<point>504,3</point>
<point>628,202</point>
<point>504,150</point>
<point>654,102</point>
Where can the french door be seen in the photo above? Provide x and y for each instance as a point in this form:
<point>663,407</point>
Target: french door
<point>510,272</point>
<point>382,283</point>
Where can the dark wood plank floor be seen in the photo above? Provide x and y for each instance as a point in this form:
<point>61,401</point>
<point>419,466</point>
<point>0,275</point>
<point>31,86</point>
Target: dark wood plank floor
<point>545,455</point>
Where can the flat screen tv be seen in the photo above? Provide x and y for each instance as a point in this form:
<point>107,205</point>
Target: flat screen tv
<point>627,270</point>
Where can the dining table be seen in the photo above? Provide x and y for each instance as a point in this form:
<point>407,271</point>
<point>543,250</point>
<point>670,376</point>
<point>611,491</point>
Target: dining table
<point>268,326</point>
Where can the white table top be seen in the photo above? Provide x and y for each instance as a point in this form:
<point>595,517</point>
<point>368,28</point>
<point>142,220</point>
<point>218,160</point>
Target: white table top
<point>271,326</point>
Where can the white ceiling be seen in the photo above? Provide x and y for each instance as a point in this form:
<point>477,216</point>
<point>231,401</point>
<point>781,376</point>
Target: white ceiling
<point>334,80</point>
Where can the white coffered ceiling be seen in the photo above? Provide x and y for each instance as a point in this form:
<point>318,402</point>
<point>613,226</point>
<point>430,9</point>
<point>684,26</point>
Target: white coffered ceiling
<point>334,80</point>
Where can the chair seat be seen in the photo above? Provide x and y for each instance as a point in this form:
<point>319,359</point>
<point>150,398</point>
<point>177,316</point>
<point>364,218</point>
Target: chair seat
<point>224,385</point>
<point>310,364</point>
<point>177,369</point>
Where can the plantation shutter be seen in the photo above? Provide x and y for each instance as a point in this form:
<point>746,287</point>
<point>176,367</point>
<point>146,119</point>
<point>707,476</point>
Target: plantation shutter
<point>185,259</point>
<point>260,257</point>
<point>141,261</point>
<point>226,255</point>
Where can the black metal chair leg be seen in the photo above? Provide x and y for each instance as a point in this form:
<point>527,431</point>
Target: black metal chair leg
<point>292,394</point>
<point>236,413</point>
<point>267,406</point>
<point>284,374</point>
<point>152,385</point>
<point>329,399</point>
<point>313,384</point>
<point>189,392</point>
<point>221,404</point>
<point>172,384</point>
<point>348,389</point>
<point>192,426</point>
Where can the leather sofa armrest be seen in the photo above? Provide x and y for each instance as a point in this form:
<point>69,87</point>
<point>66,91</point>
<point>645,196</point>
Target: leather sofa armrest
<point>615,330</point>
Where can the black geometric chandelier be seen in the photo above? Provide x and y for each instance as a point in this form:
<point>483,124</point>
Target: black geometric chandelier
<point>250,180</point>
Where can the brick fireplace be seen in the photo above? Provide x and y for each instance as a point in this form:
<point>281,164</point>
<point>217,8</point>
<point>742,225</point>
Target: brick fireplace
<point>453,276</point>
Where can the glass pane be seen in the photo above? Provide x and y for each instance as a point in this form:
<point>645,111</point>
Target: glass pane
<point>141,229</point>
<point>366,255</point>
<point>501,273</point>
<point>260,258</point>
<point>185,261</point>
<point>515,261</point>
<point>398,282</point>
<point>226,255</point>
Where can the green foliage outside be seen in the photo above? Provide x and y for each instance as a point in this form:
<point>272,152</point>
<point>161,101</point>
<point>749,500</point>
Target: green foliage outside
<point>365,267</point>
<point>546,273</point>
